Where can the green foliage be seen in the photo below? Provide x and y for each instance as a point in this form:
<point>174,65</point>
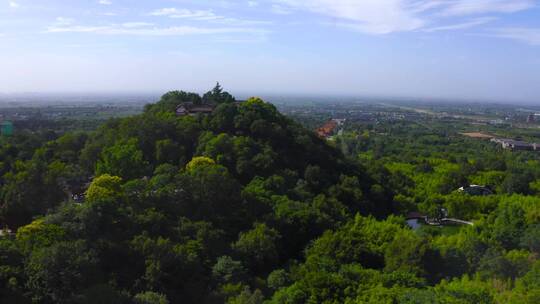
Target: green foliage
<point>465,291</point>
<point>247,297</point>
<point>244,205</point>
<point>12,276</point>
<point>278,279</point>
<point>101,293</point>
<point>170,100</point>
<point>168,151</point>
<point>123,159</point>
<point>259,246</point>
<point>363,240</point>
<point>226,270</point>
<point>32,188</point>
<point>57,273</point>
<point>407,252</point>
<point>38,234</point>
<point>217,95</point>
<point>199,162</point>
<point>104,187</point>
<point>150,298</point>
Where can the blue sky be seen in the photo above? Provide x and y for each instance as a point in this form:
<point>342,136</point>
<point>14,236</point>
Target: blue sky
<point>466,49</point>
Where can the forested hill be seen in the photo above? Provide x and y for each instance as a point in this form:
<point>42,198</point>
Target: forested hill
<point>180,209</point>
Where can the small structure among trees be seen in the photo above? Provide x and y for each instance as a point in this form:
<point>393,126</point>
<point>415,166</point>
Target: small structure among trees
<point>516,145</point>
<point>207,104</point>
<point>217,96</point>
<point>476,190</point>
<point>189,108</point>
<point>415,219</point>
<point>6,128</point>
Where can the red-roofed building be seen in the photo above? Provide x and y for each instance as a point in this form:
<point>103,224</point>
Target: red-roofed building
<point>327,129</point>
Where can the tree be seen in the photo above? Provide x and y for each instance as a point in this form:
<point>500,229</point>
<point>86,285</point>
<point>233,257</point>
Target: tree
<point>452,181</point>
<point>509,224</point>
<point>167,151</point>
<point>226,270</point>
<point>31,189</point>
<point>313,176</point>
<point>465,291</point>
<point>215,193</point>
<point>362,240</point>
<point>259,247</point>
<point>406,253</point>
<point>531,238</point>
<point>123,159</point>
<point>38,234</point>
<point>170,100</point>
<point>150,298</point>
<point>103,294</point>
<point>12,277</point>
<point>217,95</point>
<point>173,267</point>
<point>278,279</point>
<point>248,297</point>
<point>59,272</point>
<point>199,162</point>
<point>104,187</point>
<point>516,183</point>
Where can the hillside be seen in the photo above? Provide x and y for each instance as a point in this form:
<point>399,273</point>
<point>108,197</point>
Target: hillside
<point>206,199</point>
<point>192,209</point>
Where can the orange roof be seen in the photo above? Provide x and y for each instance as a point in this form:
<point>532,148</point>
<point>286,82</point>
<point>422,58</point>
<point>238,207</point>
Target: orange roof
<point>327,129</point>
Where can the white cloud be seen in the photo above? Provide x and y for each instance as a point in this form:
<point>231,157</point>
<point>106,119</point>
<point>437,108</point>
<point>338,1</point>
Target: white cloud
<point>461,26</point>
<point>387,16</point>
<point>280,10</point>
<point>527,35</point>
<point>253,3</point>
<point>62,21</point>
<point>13,4</point>
<point>146,29</point>
<point>105,2</point>
<point>469,7</point>
<point>136,24</point>
<point>186,14</point>
<point>203,15</point>
<point>164,11</point>
<point>369,16</point>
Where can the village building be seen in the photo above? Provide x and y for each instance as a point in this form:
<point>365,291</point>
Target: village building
<point>476,190</point>
<point>415,220</point>
<point>189,108</point>
<point>327,129</point>
<point>6,128</point>
<point>330,127</point>
<point>516,145</point>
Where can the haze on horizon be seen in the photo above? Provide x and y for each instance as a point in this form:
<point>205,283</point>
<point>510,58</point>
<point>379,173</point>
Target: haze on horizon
<point>466,49</point>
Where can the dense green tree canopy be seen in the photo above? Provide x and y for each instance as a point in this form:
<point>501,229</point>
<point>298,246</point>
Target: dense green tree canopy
<point>245,205</point>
